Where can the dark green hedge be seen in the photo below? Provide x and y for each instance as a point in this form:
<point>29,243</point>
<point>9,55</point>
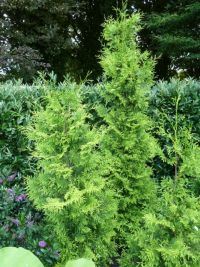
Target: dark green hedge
<point>162,102</point>
<point>20,223</point>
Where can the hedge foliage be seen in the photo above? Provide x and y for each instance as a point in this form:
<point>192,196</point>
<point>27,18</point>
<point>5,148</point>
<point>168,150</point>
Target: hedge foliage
<point>114,168</point>
<point>162,109</point>
<point>20,223</point>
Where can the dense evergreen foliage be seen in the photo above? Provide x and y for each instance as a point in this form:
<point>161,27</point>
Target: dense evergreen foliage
<point>128,75</point>
<point>66,36</point>
<point>163,104</point>
<point>170,234</point>
<point>115,167</point>
<point>20,223</point>
<point>70,185</point>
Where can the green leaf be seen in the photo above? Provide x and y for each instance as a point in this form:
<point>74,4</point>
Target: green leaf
<point>80,263</point>
<point>18,257</point>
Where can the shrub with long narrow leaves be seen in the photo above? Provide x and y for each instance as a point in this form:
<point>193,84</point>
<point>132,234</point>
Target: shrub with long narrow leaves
<point>20,223</point>
<point>162,108</point>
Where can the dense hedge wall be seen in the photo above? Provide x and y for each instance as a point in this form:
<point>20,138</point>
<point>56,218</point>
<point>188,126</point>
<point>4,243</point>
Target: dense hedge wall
<point>162,110</point>
<point>163,94</point>
<point>20,223</point>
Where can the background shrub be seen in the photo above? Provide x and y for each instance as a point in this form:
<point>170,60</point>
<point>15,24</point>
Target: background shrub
<point>162,110</point>
<point>20,223</point>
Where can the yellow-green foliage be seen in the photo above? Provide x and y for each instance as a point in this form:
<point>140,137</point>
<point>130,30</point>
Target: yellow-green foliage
<point>70,184</point>
<point>170,236</point>
<point>128,76</point>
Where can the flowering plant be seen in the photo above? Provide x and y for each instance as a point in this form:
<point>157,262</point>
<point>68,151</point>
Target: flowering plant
<point>20,224</point>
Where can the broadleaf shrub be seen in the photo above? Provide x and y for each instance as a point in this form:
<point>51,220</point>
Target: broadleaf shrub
<point>20,223</point>
<point>163,97</point>
<point>18,257</point>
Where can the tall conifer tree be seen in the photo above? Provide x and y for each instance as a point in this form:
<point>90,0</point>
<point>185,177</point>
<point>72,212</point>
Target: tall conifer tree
<point>128,75</point>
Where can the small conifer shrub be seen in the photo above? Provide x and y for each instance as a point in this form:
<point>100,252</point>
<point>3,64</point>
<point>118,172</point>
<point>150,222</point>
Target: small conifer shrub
<point>70,185</point>
<point>170,235</point>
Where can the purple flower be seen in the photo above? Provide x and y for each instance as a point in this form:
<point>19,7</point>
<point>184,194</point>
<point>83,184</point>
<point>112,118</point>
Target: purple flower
<point>20,236</point>
<point>12,177</point>
<point>20,197</point>
<point>10,191</point>
<point>30,224</point>
<point>56,253</point>
<point>15,221</point>
<point>42,244</point>
<point>1,181</point>
<point>6,228</point>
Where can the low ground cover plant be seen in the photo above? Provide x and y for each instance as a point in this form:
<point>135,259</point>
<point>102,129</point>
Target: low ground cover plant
<point>20,257</point>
